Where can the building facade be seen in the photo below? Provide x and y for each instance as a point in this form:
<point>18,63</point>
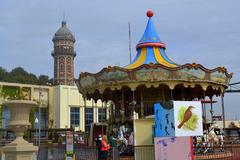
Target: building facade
<point>61,106</point>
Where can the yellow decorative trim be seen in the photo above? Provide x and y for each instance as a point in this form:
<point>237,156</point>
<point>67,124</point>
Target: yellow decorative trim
<point>140,59</point>
<point>160,59</point>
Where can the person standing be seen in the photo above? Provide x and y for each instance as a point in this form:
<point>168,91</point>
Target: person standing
<point>99,146</point>
<point>105,148</point>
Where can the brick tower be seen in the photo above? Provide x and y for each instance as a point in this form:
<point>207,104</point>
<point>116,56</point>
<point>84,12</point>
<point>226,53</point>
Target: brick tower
<point>63,55</point>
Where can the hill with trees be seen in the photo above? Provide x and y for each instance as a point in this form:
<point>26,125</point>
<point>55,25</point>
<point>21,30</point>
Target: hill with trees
<point>19,75</point>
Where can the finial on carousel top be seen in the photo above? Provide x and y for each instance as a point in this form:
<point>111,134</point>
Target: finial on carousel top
<point>150,37</point>
<point>150,13</point>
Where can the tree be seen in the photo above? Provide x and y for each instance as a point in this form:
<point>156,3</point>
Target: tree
<point>43,80</point>
<point>19,75</point>
<point>3,74</point>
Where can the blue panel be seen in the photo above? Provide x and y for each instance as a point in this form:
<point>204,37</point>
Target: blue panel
<point>164,121</point>
<point>150,56</point>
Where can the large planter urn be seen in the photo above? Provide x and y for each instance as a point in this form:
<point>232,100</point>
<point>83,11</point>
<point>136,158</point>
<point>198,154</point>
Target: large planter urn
<point>19,149</point>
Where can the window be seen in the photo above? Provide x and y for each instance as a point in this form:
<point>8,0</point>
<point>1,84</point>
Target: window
<point>61,68</point>
<point>75,116</point>
<point>43,118</point>
<point>88,118</point>
<point>6,116</point>
<point>43,121</point>
<point>101,114</point>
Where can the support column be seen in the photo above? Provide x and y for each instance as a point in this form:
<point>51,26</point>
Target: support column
<point>142,105</point>
<point>122,111</point>
<point>211,110</point>
<point>83,115</point>
<point>95,111</point>
<point>223,111</point>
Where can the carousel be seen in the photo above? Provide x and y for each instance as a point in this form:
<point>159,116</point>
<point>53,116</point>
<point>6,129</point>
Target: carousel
<point>151,77</point>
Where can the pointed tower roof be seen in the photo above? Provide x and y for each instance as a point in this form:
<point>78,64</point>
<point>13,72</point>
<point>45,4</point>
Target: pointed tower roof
<point>150,49</point>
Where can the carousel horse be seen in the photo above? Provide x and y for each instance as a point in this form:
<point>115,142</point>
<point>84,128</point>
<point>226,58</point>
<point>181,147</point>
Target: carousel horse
<point>214,138</point>
<point>122,141</point>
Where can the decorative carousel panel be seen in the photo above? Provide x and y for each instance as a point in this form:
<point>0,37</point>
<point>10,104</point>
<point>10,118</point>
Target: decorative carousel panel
<point>114,76</point>
<point>87,81</point>
<point>152,74</point>
<point>219,77</point>
<point>190,73</point>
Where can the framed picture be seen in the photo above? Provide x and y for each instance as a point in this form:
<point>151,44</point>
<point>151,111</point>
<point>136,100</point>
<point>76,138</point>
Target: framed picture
<point>188,118</point>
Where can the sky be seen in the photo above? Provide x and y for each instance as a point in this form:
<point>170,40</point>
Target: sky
<point>205,32</point>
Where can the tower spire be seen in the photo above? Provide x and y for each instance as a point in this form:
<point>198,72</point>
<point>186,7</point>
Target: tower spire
<point>64,16</point>
<point>64,23</point>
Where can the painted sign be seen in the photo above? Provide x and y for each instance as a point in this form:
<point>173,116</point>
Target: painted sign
<point>69,145</point>
<point>188,118</point>
<point>164,119</point>
<point>173,148</point>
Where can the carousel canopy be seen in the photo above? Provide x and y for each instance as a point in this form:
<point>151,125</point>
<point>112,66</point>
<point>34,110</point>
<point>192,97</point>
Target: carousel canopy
<point>150,49</point>
<point>152,68</point>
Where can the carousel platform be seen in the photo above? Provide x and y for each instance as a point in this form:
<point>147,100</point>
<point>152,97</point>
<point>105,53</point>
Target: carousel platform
<point>127,158</point>
<point>214,156</point>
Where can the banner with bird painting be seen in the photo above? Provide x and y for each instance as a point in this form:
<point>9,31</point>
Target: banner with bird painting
<point>188,118</point>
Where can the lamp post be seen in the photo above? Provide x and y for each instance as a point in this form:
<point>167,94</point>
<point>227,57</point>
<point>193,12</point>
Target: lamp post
<point>39,115</point>
<point>36,122</point>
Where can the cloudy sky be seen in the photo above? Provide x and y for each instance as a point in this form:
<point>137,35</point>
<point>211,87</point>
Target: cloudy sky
<point>201,31</point>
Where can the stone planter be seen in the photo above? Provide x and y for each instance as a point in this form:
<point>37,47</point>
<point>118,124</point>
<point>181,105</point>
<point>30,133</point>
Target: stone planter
<point>19,149</point>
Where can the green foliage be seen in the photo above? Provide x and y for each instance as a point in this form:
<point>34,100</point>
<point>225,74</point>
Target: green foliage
<point>31,116</point>
<point>192,123</point>
<point>3,73</point>
<point>19,75</point>
<point>1,110</point>
<point>11,92</point>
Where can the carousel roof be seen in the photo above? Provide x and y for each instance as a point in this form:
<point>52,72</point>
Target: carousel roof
<point>150,49</point>
<point>152,67</point>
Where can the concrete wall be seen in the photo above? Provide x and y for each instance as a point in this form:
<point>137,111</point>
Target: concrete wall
<point>143,131</point>
<point>144,145</point>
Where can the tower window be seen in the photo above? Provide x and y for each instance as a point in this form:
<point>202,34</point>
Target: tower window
<point>61,68</point>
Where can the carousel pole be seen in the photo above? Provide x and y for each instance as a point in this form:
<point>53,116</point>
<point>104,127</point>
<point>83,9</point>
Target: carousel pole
<point>142,105</point>
<point>133,103</point>
<point>85,104</point>
<point>211,111</point>
<point>204,113</point>
<point>122,110</point>
<point>223,112</point>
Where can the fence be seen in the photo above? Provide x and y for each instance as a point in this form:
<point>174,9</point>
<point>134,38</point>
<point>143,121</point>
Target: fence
<point>144,152</point>
<point>225,152</point>
<point>57,152</point>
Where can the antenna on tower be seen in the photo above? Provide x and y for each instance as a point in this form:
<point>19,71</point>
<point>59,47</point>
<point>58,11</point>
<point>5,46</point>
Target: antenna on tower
<point>130,48</point>
<point>64,16</point>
